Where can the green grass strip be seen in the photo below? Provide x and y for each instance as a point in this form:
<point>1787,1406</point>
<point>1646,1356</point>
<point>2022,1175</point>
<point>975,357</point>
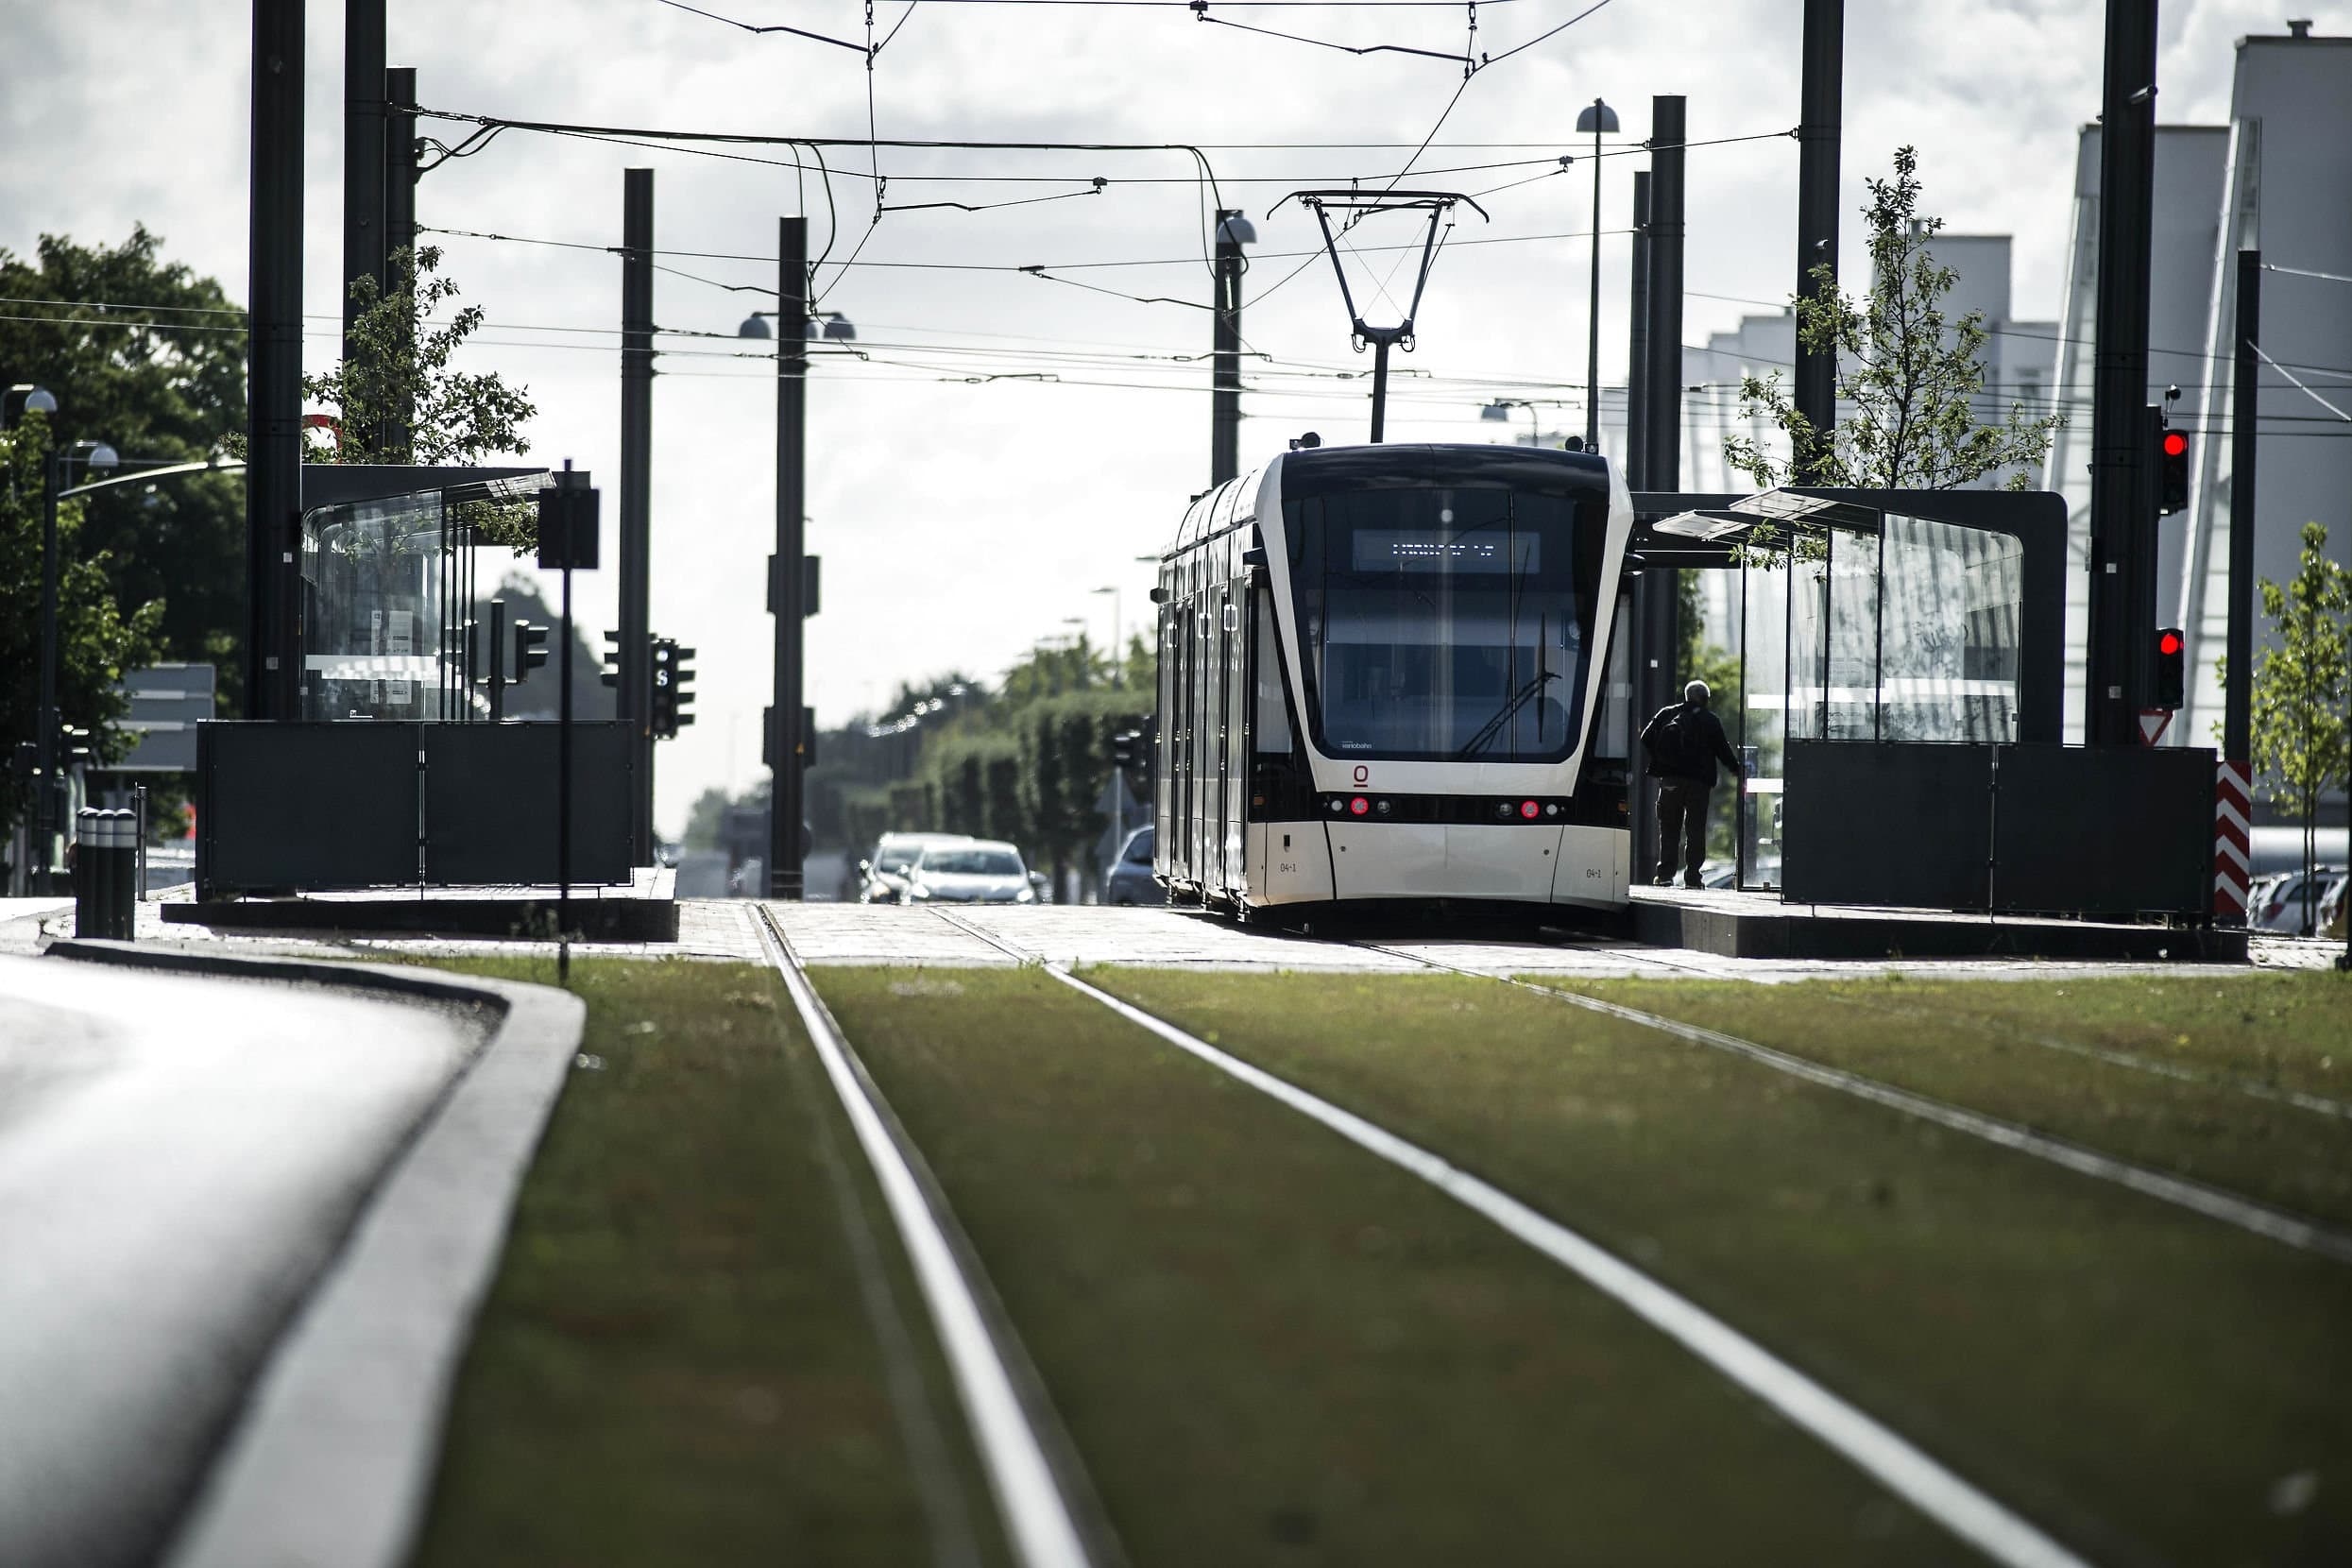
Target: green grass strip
<point>2149,1385</point>
<point>1271,1347</point>
<point>675,1365</point>
<point>2002,1048</point>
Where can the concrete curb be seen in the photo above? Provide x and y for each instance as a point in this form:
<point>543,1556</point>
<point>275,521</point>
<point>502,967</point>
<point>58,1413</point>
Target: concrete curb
<point>330,1463</point>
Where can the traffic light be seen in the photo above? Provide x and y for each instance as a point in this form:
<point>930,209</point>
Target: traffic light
<point>665,713</point>
<point>1127,748</point>
<point>681,687</point>
<point>2173,484</point>
<point>612,659</point>
<point>530,648</point>
<point>2171,684</point>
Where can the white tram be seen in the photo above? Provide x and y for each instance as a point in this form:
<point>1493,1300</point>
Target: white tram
<point>1381,678</point>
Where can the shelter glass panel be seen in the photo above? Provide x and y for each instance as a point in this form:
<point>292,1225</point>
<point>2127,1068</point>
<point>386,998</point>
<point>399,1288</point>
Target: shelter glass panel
<point>375,593</point>
<point>1952,602</point>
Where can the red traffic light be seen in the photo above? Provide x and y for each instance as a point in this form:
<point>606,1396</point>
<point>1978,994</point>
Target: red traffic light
<point>2169,643</point>
<point>2176,444</point>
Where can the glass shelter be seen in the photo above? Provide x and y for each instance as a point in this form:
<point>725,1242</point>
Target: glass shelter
<point>1864,624</point>
<point>388,586</point>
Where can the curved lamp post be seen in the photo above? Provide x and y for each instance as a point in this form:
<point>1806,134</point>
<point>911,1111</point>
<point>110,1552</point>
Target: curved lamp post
<point>1597,118</point>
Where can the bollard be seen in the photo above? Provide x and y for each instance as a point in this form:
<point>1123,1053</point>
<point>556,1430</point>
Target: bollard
<point>88,828</point>
<point>124,907</point>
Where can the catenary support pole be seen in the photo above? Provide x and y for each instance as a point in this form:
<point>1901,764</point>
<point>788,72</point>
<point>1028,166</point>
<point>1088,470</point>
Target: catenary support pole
<point>1225,376</point>
<point>1380,390</point>
<point>1592,314</point>
<point>274,360</point>
<point>364,164</point>
<point>1663,466</point>
<point>49,799</point>
<point>635,692</point>
<point>400,216</point>
<point>1637,342</point>
<point>1817,154</point>
<point>2122,511</point>
<point>2244,408</point>
<point>787,744</point>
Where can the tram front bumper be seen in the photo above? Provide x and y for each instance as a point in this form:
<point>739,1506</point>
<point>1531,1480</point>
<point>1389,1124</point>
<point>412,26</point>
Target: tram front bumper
<point>1518,863</point>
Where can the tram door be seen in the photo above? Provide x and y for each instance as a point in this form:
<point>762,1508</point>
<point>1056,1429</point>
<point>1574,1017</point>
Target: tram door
<point>1232,671</point>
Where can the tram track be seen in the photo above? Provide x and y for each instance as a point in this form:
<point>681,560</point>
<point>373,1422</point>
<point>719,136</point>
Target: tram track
<point>2212,1202</point>
<point>1881,1453</point>
<point>1032,1472</point>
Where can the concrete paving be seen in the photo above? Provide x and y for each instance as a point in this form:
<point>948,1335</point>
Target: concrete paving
<point>1084,934</point>
<point>178,1157</point>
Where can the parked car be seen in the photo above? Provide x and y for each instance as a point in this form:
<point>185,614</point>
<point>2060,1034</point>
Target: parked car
<point>1130,879</point>
<point>976,871</point>
<point>884,871</point>
<point>2331,909</point>
<point>2278,904</point>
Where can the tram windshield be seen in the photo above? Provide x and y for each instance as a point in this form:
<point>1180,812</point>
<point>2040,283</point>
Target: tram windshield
<point>1444,623</point>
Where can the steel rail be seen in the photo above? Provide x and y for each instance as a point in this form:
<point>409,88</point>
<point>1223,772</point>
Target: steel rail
<point>1039,1522</point>
<point>1877,1450</point>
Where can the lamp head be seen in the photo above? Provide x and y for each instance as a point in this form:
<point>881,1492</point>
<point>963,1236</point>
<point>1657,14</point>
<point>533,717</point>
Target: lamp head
<point>836,326</point>
<point>38,399</point>
<point>103,458</point>
<point>754,326</point>
<point>1597,118</point>
<point>1233,228</point>
<point>1495,412</point>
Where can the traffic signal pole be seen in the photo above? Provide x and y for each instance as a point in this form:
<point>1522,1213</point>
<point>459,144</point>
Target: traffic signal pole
<point>2122,503</point>
<point>2244,403</point>
<point>786,742</point>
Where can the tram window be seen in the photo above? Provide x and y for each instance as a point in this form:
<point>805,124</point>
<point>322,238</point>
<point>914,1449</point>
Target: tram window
<point>1270,721</point>
<point>1446,622</point>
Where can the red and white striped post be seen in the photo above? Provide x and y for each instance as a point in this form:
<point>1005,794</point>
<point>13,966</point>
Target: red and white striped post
<point>2232,840</point>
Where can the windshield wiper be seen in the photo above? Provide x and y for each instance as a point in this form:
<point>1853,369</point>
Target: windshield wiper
<point>1517,700</point>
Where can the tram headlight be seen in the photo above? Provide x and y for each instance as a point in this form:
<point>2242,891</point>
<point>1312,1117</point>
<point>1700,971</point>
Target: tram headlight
<point>1381,806</point>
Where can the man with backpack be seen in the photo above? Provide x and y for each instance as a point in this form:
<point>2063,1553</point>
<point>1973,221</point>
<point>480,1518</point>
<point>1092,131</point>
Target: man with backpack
<point>1682,743</point>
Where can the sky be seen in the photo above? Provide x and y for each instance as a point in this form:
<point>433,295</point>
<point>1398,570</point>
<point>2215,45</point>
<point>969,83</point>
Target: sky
<point>990,474</point>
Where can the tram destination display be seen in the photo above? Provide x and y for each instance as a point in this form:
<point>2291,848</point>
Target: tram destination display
<point>1446,550</point>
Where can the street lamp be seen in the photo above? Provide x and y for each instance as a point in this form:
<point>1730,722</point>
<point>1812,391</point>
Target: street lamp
<point>33,400</point>
<point>1597,119</point>
<point>828,324</point>
<point>102,458</point>
<point>1500,410</point>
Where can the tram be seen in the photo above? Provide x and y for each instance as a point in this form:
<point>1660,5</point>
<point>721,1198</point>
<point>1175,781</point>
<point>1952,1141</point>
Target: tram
<point>1383,679</point>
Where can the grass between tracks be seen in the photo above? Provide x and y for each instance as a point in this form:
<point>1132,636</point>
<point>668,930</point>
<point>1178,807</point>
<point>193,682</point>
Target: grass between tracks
<point>1269,1347</point>
<point>2153,1386</point>
<point>2179,1101</point>
<point>675,1365</point>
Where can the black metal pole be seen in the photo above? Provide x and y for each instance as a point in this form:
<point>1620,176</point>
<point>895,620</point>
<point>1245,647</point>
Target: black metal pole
<point>1662,468</point>
<point>1637,348</point>
<point>46,800</point>
<point>635,693</point>
<point>497,660</point>
<point>363,170</point>
<point>1225,377</point>
<point>787,744</point>
<point>1593,319</point>
<point>1818,131</point>
<point>563,776</point>
<point>274,360</point>
<point>2123,512</point>
<point>2245,395</point>
<point>1380,389</point>
<point>400,222</point>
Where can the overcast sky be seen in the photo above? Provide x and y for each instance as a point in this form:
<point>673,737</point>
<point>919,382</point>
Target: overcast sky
<point>961,522</point>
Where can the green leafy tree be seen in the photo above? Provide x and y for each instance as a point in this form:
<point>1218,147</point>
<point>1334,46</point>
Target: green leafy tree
<point>1910,378</point>
<point>2301,747</point>
<point>402,360</point>
<point>148,357</point>
<point>99,639</point>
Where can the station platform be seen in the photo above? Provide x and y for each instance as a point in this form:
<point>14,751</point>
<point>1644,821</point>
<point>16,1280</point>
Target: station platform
<point>1760,925</point>
<point>644,911</point>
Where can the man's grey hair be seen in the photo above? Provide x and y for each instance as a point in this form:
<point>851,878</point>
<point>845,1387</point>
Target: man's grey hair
<point>1697,693</point>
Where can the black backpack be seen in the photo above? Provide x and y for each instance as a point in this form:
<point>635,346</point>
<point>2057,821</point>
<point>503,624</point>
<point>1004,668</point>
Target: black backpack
<point>1675,747</point>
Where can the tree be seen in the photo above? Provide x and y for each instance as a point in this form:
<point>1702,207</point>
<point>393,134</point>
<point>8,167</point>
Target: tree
<point>400,402</point>
<point>99,642</point>
<point>1909,381</point>
<point>149,358</point>
<point>2301,747</point>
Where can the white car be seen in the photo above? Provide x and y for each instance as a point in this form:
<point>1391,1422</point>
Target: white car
<point>979,871</point>
<point>2277,903</point>
<point>885,874</point>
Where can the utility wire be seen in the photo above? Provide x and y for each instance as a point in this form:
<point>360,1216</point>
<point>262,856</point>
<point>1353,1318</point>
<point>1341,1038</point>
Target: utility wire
<point>777,27</point>
<point>2299,386</point>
